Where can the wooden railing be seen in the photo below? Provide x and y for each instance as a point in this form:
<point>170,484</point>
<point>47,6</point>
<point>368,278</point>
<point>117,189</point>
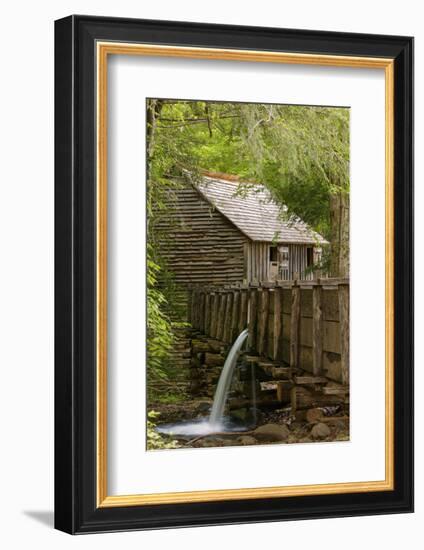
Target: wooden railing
<point>303,324</point>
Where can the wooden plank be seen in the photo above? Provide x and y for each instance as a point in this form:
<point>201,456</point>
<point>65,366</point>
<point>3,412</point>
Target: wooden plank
<point>221,316</point>
<point>335,390</point>
<point>190,306</point>
<point>214,313</point>
<point>228,317</point>
<point>201,321</point>
<point>253,318</point>
<point>294,327</point>
<point>344,331</point>
<point>317,330</point>
<point>277,322</point>
<point>262,320</point>
<point>280,372</point>
<point>284,391</point>
<point>235,315</point>
<point>293,399</point>
<point>207,322</point>
<point>310,380</point>
<point>244,298</point>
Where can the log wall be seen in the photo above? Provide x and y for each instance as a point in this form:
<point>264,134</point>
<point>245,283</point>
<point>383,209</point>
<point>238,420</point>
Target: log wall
<point>198,243</point>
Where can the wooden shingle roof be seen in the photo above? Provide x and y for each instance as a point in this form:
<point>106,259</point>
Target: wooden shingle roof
<point>254,213</point>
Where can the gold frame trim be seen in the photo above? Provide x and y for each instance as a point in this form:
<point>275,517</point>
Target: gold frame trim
<point>104,49</point>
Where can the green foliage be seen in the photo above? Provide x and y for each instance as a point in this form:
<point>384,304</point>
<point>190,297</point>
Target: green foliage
<point>300,153</point>
<point>155,440</point>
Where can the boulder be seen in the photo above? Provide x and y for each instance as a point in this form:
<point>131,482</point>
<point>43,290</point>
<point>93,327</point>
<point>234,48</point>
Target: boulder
<point>313,416</point>
<point>247,440</point>
<point>272,432</point>
<point>320,431</point>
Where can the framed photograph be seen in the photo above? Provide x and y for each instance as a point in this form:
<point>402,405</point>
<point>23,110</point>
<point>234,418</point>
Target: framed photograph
<point>233,273</point>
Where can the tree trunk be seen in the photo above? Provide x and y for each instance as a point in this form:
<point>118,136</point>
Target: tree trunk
<point>339,222</point>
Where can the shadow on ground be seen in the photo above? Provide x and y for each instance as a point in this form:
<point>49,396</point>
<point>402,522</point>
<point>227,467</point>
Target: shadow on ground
<point>46,517</point>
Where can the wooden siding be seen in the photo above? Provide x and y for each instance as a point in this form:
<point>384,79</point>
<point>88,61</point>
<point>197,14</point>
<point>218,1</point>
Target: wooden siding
<point>199,244</point>
<point>257,262</point>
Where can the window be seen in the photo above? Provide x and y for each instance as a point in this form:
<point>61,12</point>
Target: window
<point>309,257</point>
<point>273,253</point>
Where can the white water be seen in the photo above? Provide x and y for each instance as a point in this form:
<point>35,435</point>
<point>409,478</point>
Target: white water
<point>215,423</point>
<point>220,398</point>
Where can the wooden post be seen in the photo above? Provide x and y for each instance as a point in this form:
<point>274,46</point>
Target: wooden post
<point>317,329</point>
<point>221,315</point>
<point>263,320</point>
<point>207,323</point>
<point>228,315</point>
<point>294,327</point>
<point>201,321</point>
<point>214,313</point>
<point>235,316</point>
<point>253,318</point>
<point>344,331</point>
<point>244,299</point>
<point>277,321</point>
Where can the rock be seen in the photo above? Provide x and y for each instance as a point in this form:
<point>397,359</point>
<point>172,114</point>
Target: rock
<point>247,440</point>
<point>313,416</point>
<point>204,407</point>
<point>215,346</point>
<point>272,432</point>
<point>213,360</point>
<point>197,346</point>
<point>241,414</point>
<point>320,431</point>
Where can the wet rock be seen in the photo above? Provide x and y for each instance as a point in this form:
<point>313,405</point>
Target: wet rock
<point>272,432</point>
<point>320,431</point>
<point>203,407</point>
<point>241,414</point>
<point>247,440</point>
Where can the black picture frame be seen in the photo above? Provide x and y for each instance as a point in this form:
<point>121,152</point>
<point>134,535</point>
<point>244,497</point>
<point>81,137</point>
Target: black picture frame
<point>76,510</point>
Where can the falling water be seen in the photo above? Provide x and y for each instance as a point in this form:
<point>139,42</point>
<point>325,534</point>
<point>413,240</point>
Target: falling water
<point>225,380</point>
<point>215,422</point>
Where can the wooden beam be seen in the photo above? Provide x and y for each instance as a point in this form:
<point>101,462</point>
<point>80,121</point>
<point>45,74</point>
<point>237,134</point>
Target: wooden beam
<point>278,324</point>
<point>310,380</point>
<point>228,317</point>
<point>344,331</point>
<point>214,313</point>
<point>294,327</point>
<point>317,333</point>
<point>253,317</point>
<point>263,320</point>
<point>207,323</point>
<point>201,321</point>
<point>221,316</point>
<point>244,299</point>
<point>235,315</point>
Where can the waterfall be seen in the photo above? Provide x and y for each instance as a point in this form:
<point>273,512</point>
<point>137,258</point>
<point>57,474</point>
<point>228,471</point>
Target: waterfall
<point>224,381</point>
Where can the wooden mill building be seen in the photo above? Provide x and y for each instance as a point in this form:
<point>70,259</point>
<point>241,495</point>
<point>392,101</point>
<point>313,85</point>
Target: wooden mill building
<point>221,231</point>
